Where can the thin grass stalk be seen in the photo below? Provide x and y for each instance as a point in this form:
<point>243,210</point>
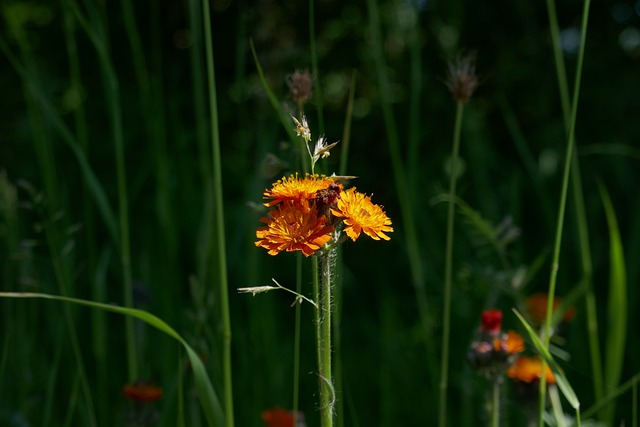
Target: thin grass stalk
<point>556,405</point>
<point>415,121</point>
<point>73,402</point>
<point>152,104</point>
<point>417,272</point>
<point>52,234</point>
<point>630,383</point>
<point>219,219</point>
<point>115,113</point>
<point>495,403</point>
<point>346,130</point>
<point>318,313</point>
<point>98,334</point>
<point>411,234</point>
<point>296,342</point>
<point>198,91</point>
<point>336,323</point>
<point>180,414</point>
<point>581,220</point>
<point>51,384</point>
<point>561,209</point>
<point>634,405</point>
<point>448,269</point>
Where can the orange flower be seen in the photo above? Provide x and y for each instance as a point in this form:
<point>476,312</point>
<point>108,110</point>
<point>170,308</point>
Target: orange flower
<point>537,307</point>
<point>511,342</point>
<point>294,227</point>
<point>529,369</point>
<point>142,391</point>
<point>361,215</point>
<point>294,189</point>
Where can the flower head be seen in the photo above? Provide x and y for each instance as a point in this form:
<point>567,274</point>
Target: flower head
<point>462,80</point>
<point>295,189</point>
<point>493,350</point>
<point>491,320</point>
<point>322,149</point>
<point>537,307</point>
<point>528,370</point>
<point>294,226</point>
<point>513,343</point>
<point>302,128</point>
<point>360,215</point>
<point>142,391</point>
<point>300,87</point>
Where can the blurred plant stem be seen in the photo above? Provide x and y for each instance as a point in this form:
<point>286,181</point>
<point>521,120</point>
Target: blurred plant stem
<point>580,210</point>
<point>99,335</point>
<point>563,196</point>
<point>411,234</point>
<point>495,402</point>
<point>218,219</point>
<point>296,341</point>
<point>49,210</point>
<point>448,268</point>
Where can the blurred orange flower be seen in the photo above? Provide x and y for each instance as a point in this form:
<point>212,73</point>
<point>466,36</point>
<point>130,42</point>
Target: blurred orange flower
<point>142,391</point>
<point>529,369</point>
<point>511,342</point>
<point>537,307</point>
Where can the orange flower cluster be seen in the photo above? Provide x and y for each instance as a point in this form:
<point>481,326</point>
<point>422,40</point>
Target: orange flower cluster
<point>310,212</point>
<point>493,351</point>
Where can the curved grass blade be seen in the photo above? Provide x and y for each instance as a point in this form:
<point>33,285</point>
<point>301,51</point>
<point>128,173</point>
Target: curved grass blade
<point>208,398</point>
<point>272,97</point>
<point>561,379</point>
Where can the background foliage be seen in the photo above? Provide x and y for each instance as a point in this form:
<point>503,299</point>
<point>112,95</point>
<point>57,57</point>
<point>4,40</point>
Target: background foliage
<point>55,238</point>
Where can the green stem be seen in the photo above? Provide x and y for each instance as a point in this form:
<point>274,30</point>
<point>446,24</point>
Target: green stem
<point>581,220</point>
<point>296,344</point>
<point>327,393</point>
<point>495,404</point>
<point>113,97</point>
<point>448,269</point>
<point>219,219</point>
<point>561,210</point>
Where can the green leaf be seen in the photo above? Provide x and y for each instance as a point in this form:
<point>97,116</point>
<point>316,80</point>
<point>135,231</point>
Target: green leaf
<point>207,395</point>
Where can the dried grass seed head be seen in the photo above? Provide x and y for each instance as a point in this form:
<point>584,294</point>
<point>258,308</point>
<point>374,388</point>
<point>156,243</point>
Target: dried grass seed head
<point>462,80</point>
<point>300,87</point>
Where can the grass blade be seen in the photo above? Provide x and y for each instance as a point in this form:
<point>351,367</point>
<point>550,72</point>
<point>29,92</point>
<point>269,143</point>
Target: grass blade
<point>617,321</point>
<point>561,379</point>
<point>206,393</point>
